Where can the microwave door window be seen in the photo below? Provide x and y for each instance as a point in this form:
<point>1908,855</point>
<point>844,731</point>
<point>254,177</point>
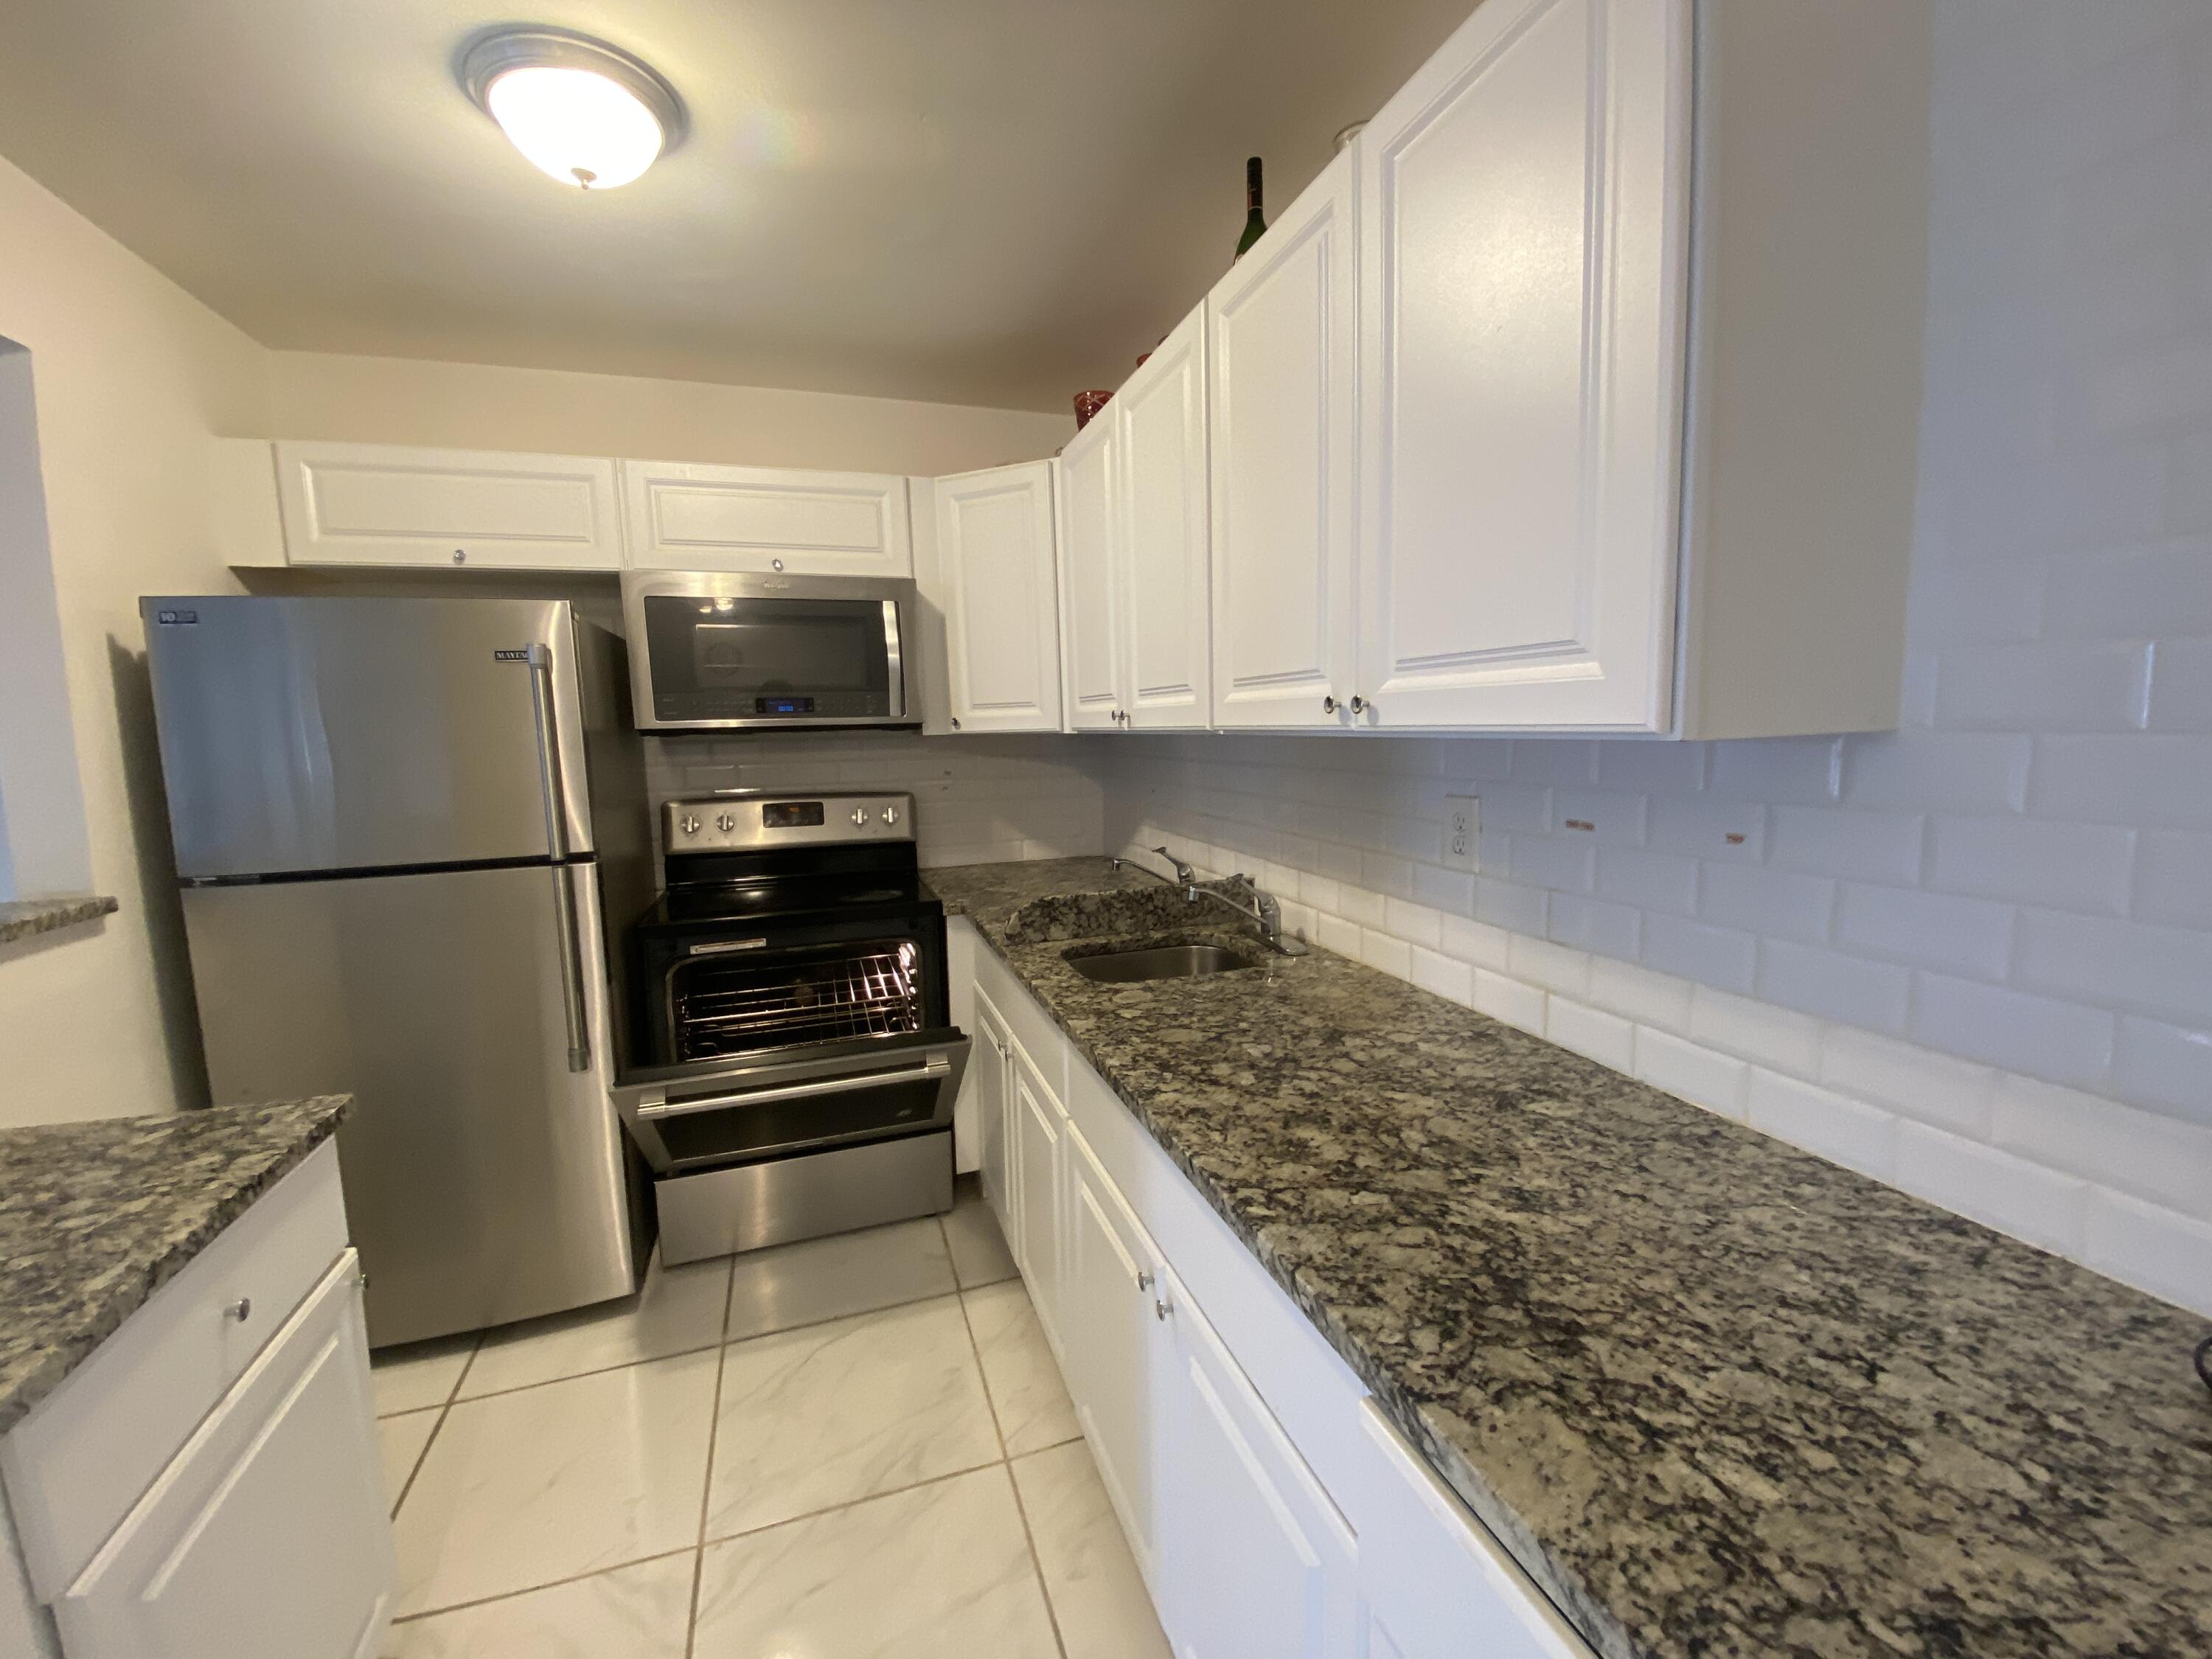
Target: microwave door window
<point>813,654</point>
<point>722,660</point>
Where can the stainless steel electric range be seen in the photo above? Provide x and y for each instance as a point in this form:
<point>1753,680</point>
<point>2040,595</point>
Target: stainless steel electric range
<point>792,1067</point>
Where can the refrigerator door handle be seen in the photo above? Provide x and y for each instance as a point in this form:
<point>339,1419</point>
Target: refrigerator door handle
<point>557,844</point>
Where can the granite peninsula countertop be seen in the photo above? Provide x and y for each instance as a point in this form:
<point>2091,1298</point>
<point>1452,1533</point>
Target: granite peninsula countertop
<point>21,918</point>
<point>1716,1395</point>
<point>95,1216</point>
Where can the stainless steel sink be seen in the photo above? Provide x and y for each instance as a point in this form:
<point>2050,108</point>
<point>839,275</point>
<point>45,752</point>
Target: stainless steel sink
<point>1160,962</point>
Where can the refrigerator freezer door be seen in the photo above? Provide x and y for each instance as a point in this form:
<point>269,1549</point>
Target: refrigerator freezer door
<point>484,1180</point>
<point>351,734</point>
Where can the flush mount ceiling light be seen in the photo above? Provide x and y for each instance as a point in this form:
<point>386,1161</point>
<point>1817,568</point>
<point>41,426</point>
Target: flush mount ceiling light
<point>585,112</point>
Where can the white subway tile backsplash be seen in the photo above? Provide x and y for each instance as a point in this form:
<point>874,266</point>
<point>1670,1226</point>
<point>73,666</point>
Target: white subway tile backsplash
<point>2160,971</point>
<point>1960,935</point>
<point>2166,1065</point>
<point>1359,905</point>
<point>1858,1136</point>
<point>1447,977</point>
<point>1386,954</point>
<point>1342,936</point>
<point>1613,930</point>
<point>2140,1152</point>
<point>2150,1248</point>
<point>1808,770</point>
<point>2048,686</point>
<point>1876,996</point>
<point>1642,995</point>
<point>1477,942</point>
<point>1699,827</point>
<point>1566,862</point>
<point>1690,950</point>
<point>1412,921</point>
<point>2062,1042</point>
<point>1703,1077</point>
<point>1609,816</point>
<point>1773,1037</point>
<point>1864,846</point>
<point>1448,890</point>
<point>1956,771</point>
<point>1649,881</point>
<point>1755,898</point>
<point>2153,781</point>
<point>2074,866</point>
<point>1505,905</point>
<point>1512,1000</point>
<point>1605,1038</point>
<point>1951,1094</point>
<point>2173,879</point>
<point>1554,967</point>
<point>2009,1194</point>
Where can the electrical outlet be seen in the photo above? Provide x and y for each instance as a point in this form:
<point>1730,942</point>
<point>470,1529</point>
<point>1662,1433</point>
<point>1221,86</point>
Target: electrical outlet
<point>1462,831</point>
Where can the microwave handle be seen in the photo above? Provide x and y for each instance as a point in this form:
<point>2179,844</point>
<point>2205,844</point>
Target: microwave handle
<point>557,844</point>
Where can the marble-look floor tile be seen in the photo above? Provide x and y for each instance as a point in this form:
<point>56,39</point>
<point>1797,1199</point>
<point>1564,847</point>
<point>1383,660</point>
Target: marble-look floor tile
<point>942,1571</point>
<point>522,1489</point>
<point>828,1278</point>
<point>1032,1403</point>
<point>400,1440</point>
<point>418,1375</point>
<point>980,1256</point>
<point>678,1310</point>
<point>641,1612</point>
<point>832,1412</point>
<point>1097,1595</point>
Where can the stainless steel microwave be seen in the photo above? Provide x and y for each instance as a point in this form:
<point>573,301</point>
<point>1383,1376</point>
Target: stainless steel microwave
<point>710,652</point>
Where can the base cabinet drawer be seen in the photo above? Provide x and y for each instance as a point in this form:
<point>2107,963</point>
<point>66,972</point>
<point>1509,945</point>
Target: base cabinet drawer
<point>266,1537</point>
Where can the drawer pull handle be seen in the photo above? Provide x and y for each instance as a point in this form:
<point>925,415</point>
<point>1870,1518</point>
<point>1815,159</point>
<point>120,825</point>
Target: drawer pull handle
<point>241,1309</point>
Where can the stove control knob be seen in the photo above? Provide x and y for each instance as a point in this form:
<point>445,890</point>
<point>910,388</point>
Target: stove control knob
<point>890,815</point>
<point>859,818</point>
<point>688,824</point>
<point>726,823</point>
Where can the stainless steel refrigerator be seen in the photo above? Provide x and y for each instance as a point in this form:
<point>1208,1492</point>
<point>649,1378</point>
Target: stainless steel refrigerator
<point>398,825</point>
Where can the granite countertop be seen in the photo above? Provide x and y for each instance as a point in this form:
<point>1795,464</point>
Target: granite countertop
<point>95,1216</point>
<point>1716,1395</point>
<point>24,918</point>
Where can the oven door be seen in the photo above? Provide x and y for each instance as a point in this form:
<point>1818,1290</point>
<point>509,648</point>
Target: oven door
<point>705,1115</point>
<point>713,651</point>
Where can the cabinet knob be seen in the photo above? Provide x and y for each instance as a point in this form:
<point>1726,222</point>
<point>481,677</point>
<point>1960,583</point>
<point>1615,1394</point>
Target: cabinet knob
<point>1144,1281</point>
<point>1329,703</point>
<point>776,564</point>
<point>1360,705</point>
<point>241,1309</point>
<point>955,722</point>
<point>460,555</point>
<point>1160,1309</point>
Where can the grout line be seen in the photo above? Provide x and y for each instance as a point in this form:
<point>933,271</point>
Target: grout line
<point>1037,1563</point>
<point>983,1376</point>
<point>707,1482</point>
<point>431,1439</point>
<point>532,1589</point>
<point>851,1503</point>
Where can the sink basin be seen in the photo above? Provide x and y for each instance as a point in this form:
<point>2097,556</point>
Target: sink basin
<point>1160,962</point>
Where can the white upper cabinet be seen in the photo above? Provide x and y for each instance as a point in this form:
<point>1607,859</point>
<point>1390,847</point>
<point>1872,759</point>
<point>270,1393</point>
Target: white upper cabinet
<point>1523,205</point>
<point>377,504</point>
<point>994,550</point>
<point>1090,629</point>
<point>1282,333</point>
<point>1160,446</point>
<point>683,517</point>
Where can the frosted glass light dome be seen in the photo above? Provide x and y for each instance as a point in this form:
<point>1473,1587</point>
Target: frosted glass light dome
<point>575,124</point>
<point>580,111</point>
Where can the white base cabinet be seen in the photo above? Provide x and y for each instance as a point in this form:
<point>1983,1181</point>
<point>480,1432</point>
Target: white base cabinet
<point>1269,1505</point>
<point>208,1483</point>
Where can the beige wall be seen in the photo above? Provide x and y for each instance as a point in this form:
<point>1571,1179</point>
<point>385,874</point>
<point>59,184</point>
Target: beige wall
<point>130,374</point>
<point>470,405</point>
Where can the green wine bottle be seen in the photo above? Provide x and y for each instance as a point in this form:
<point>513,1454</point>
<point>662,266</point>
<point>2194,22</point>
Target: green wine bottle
<point>1254,222</point>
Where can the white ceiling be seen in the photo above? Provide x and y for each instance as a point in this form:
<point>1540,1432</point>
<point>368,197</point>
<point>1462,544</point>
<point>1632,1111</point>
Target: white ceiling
<point>978,201</point>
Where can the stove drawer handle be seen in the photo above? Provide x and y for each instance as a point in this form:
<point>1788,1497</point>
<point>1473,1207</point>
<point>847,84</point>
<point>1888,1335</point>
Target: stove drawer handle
<point>936,1066</point>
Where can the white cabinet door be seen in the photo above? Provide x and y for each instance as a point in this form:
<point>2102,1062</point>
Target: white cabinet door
<point>685,517</point>
<point>377,504</point>
<point>267,1534</point>
<point>1159,443</point>
<point>994,545</point>
<point>992,1064</point>
<point>1117,1344</point>
<point>1434,1583</point>
<point>1039,1132</point>
<point>1090,627</point>
<point>1253,1557</point>
<point>1282,333</point>
<point>1523,247</point>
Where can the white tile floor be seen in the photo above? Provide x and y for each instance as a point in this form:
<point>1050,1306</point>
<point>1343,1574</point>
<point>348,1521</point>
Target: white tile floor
<point>854,1447</point>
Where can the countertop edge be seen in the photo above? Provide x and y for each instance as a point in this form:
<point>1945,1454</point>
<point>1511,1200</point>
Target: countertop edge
<point>1589,1619</point>
<point>112,1303</point>
<point>22,919</point>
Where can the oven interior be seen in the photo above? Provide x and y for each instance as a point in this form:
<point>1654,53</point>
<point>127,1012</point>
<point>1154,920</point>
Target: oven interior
<point>721,1003</point>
